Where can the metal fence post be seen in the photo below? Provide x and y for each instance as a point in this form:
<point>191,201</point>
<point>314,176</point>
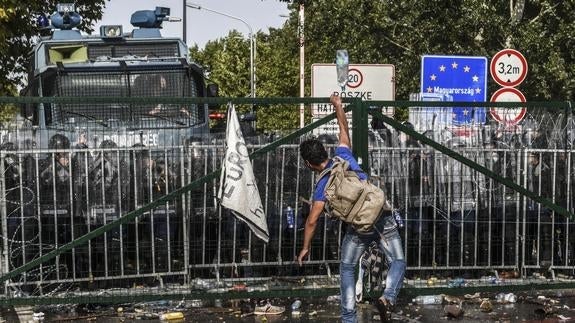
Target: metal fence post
<point>359,133</point>
<point>4,268</point>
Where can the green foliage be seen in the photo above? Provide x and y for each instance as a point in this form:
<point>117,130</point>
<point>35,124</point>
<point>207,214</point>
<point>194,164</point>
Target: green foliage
<point>7,113</point>
<point>226,61</point>
<point>278,76</point>
<point>390,32</point>
<point>19,28</point>
<point>399,33</point>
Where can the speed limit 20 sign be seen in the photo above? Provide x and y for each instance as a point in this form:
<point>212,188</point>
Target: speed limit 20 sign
<point>508,68</point>
<point>354,78</point>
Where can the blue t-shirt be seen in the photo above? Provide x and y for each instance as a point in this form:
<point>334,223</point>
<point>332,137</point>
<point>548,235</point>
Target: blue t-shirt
<point>346,154</point>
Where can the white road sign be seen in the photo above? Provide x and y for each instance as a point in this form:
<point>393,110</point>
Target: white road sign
<point>508,116</point>
<point>508,68</point>
<point>369,82</point>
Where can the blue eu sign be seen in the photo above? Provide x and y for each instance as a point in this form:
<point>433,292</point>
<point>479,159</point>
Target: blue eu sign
<point>462,77</point>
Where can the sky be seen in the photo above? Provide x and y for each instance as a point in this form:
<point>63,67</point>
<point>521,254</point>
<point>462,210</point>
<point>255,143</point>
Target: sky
<point>202,25</point>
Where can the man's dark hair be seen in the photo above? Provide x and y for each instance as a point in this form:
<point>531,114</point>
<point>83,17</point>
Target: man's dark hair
<point>313,151</point>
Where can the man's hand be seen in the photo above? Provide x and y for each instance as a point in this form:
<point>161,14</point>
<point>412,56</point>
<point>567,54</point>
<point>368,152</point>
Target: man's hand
<point>302,254</point>
<point>309,229</point>
<point>335,100</point>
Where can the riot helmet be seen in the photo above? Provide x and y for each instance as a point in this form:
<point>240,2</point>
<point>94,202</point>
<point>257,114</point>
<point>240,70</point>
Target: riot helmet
<point>59,141</point>
<point>8,146</point>
<point>108,144</point>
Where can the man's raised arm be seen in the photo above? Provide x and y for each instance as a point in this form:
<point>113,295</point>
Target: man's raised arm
<point>341,121</point>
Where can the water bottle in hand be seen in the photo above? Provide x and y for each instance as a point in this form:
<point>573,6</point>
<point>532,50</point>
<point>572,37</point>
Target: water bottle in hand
<point>342,66</point>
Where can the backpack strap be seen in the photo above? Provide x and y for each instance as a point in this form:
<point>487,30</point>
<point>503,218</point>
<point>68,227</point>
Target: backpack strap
<point>324,172</point>
<point>327,170</point>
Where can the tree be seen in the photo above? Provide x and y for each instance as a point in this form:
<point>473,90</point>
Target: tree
<point>400,32</point>
<point>19,31</point>
<point>226,62</point>
<point>278,76</point>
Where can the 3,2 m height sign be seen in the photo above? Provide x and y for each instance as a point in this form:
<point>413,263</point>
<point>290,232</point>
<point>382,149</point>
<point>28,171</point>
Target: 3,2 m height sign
<point>508,68</point>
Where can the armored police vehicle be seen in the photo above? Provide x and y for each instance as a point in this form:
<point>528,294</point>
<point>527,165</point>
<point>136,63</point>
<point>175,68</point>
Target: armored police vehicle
<point>77,164</point>
<point>141,63</point>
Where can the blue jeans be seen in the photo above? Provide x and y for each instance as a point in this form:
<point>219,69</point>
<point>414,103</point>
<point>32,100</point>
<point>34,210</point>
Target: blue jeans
<point>385,230</point>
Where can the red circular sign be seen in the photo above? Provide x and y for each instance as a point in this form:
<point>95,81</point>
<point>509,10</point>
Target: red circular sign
<point>508,116</point>
<point>354,78</point>
<point>508,67</point>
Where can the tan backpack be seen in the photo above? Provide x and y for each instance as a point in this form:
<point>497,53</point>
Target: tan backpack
<point>350,199</point>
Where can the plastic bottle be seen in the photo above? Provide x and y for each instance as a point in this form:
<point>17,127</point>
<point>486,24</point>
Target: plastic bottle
<point>398,218</point>
<point>428,299</point>
<point>506,298</point>
<point>172,316</point>
<point>342,67</point>
<point>333,298</point>
<point>432,281</point>
<point>248,269</point>
<point>457,282</point>
<point>290,217</point>
<point>511,298</point>
<point>295,306</point>
<point>38,317</point>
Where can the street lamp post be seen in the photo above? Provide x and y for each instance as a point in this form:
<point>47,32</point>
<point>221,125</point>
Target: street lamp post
<point>184,18</point>
<point>252,43</point>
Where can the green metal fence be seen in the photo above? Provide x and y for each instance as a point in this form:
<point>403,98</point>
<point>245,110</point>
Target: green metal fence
<point>467,214</point>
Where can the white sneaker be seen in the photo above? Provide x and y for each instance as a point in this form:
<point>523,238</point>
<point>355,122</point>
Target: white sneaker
<point>269,309</point>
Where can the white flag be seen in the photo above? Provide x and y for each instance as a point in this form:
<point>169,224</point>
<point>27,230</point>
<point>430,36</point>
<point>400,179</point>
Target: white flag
<point>238,189</point>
